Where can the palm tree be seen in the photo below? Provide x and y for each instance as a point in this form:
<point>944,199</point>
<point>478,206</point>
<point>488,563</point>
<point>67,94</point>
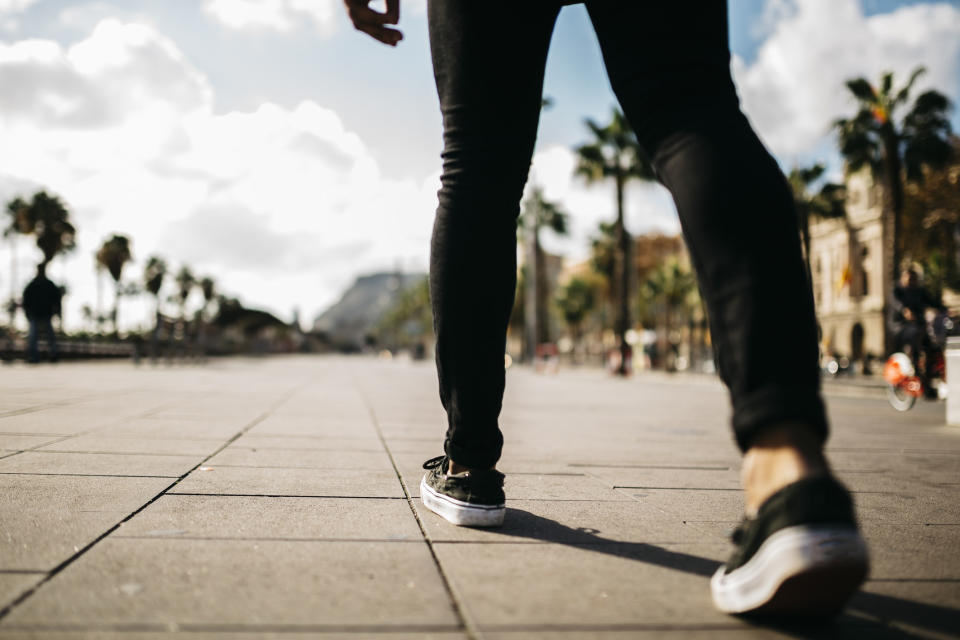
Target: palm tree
<point>872,138</point>
<point>55,234</point>
<point>671,292</point>
<point>113,254</point>
<point>19,223</point>
<point>153,274</point>
<point>185,283</point>
<point>576,300</point>
<point>828,202</point>
<point>615,153</point>
<point>46,217</point>
<point>539,213</point>
<point>931,224</point>
<point>208,288</point>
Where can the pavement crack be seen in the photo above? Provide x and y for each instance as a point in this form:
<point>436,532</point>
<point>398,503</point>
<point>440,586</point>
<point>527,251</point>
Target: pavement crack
<point>458,609</point>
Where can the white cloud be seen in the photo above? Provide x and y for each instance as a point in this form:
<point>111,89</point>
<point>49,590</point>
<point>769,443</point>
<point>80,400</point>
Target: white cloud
<point>795,87</point>
<point>283,206</point>
<point>276,15</point>
<point>14,6</point>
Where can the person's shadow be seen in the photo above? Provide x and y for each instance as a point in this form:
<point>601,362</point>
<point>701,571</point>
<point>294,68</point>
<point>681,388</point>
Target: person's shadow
<point>878,611</point>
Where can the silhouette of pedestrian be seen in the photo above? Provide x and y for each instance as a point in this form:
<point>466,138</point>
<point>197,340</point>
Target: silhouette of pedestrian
<point>41,301</point>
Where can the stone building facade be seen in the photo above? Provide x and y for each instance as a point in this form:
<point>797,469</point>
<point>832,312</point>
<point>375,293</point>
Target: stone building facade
<point>848,271</point>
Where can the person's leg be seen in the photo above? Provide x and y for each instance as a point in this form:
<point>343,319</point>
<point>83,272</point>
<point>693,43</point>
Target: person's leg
<point>669,66</point>
<point>33,351</point>
<point>51,340</point>
<point>488,60</point>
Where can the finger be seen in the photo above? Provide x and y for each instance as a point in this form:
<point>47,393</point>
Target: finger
<point>393,12</point>
<point>360,13</point>
<point>383,34</point>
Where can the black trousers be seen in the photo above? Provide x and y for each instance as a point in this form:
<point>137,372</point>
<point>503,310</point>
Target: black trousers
<point>668,63</point>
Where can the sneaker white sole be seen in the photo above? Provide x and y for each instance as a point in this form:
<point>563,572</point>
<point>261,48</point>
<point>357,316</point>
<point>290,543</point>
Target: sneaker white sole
<point>807,570</point>
<point>459,512</point>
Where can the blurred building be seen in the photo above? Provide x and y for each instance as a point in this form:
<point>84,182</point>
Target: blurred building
<point>652,250</point>
<point>847,269</point>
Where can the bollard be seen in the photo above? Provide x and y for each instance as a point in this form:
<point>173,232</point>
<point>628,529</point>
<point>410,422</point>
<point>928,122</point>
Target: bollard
<point>953,380</point>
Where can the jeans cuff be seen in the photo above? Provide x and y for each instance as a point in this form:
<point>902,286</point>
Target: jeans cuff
<point>772,406</point>
<point>474,455</point>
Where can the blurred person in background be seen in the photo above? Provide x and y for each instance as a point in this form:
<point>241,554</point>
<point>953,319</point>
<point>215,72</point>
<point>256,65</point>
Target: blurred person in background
<point>912,331</point>
<point>798,549</point>
<point>41,301</point>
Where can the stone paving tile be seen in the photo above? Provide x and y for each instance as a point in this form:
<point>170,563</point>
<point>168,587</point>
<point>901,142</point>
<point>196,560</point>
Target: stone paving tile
<point>696,505</point>
<point>611,581</point>
<point>98,464</point>
<point>222,582</point>
<point>543,521</point>
<point>913,551</point>
<point>539,487</point>
<point>239,632</point>
<point>848,628</point>
<point>309,443</point>
<point>22,443</point>
<point>926,607</point>
<point>292,482</point>
<point>259,517</point>
<point>302,458</point>
<point>173,429</point>
<point>512,465</point>
<point>57,515</point>
<point>315,425</point>
<point>922,606</point>
<point>59,421</point>
<point>95,443</point>
<point>12,585</point>
<point>671,477</point>
<point>923,507</point>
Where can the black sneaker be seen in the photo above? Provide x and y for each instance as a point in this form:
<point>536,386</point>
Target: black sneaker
<point>800,555</point>
<point>471,498</point>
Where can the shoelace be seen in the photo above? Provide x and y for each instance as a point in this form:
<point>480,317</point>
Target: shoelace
<point>433,463</point>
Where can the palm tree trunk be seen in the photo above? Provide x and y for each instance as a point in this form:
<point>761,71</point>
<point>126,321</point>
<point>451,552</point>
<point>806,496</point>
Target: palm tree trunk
<point>542,334</point>
<point>99,300</point>
<point>892,210</point>
<point>530,282</point>
<point>623,315</point>
<point>116,309</point>
<point>13,278</point>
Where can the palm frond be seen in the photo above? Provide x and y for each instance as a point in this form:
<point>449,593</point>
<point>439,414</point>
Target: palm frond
<point>904,93</point>
<point>862,90</point>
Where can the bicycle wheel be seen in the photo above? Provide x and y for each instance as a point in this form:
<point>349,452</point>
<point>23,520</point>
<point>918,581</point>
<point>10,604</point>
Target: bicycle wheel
<point>899,398</point>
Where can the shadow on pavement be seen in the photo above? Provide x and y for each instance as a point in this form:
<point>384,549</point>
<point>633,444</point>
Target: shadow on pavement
<point>882,610</point>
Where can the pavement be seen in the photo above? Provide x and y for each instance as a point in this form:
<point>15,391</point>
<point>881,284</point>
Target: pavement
<point>278,498</point>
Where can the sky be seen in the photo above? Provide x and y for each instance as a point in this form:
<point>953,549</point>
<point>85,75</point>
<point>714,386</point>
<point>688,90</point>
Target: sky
<point>269,145</point>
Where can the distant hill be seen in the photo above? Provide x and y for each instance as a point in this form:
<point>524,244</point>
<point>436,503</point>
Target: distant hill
<point>348,322</point>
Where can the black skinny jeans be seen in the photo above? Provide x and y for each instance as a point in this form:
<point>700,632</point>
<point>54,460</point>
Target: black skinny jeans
<point>668,63</point>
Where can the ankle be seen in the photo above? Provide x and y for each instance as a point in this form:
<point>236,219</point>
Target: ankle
<point>778,457</point>
<point>455,468</point>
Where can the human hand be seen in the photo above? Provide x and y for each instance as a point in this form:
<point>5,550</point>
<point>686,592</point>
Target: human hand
<point>907,315</point>
<point>372,22</point>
